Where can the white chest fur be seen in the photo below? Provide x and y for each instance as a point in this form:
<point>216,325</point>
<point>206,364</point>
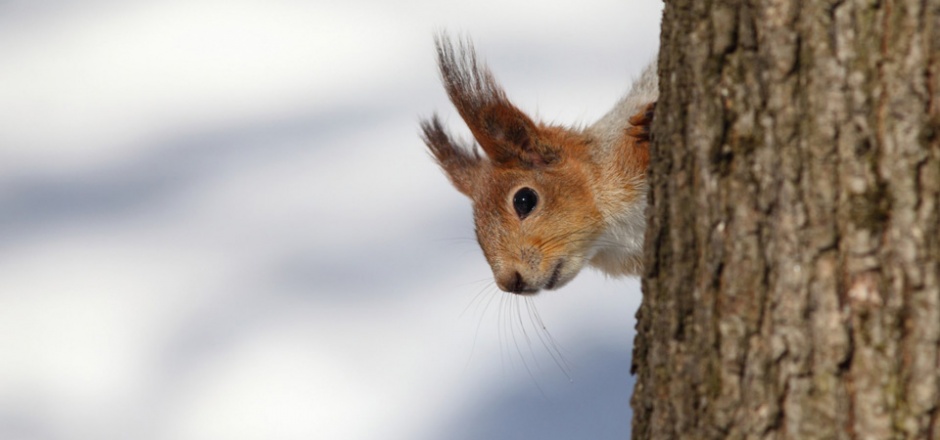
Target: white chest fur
<point>618,250</point>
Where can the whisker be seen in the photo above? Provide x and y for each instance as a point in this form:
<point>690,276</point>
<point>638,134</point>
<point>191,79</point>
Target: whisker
<point>513,334</point>
<point>551,344</point>
<point>567,236</point>
<point>454,240</point>
<point>489,283</point>
<point>525,334</point>
<point>501,331</point>
<point>476,333</point>
<point>522,356</point>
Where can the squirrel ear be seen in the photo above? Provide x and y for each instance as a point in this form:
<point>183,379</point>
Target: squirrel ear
<point>509,137</point>
<point>462,165</point>
<point>504,132</point>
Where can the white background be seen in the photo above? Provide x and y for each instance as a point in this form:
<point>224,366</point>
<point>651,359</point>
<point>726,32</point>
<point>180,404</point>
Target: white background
<point>217,221</point>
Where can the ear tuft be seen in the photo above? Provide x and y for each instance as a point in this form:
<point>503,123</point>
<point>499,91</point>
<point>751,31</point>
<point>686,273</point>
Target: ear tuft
<point>461,164</point>
<point>504,132</point>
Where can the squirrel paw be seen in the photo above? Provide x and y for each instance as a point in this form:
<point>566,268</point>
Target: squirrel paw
<point>641,123</point>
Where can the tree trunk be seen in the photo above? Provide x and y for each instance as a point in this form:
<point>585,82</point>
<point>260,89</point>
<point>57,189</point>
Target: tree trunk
<point>792,287</point>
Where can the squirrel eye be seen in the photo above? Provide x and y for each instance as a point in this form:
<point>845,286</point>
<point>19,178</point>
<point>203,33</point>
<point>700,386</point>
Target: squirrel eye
<point>524,202</point>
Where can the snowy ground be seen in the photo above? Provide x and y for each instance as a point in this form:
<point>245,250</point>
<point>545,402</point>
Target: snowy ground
<point>217,222</point>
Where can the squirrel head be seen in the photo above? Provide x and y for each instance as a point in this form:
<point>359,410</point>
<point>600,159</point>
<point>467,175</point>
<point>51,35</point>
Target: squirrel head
<point>533,188</point>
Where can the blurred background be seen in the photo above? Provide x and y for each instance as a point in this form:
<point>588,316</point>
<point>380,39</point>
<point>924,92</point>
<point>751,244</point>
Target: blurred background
<point>217,221</point>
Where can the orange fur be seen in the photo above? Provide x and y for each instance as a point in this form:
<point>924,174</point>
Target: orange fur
<point>590,183</point>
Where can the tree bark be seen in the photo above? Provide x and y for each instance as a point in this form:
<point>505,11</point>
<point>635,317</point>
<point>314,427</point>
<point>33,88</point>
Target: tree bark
<point>792,286</point>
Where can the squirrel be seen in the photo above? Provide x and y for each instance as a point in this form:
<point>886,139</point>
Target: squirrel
<point>547,200</point>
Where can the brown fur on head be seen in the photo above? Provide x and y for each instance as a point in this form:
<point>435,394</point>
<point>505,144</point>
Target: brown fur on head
<point>528,250</point>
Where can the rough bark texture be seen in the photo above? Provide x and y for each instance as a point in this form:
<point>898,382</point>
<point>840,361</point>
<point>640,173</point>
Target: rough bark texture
<point>792,287</point>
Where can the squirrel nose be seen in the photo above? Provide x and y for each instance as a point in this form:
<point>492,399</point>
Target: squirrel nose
<point>513,283</point>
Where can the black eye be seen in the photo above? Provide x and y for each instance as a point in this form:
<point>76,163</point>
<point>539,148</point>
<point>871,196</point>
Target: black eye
<point>524,202</point>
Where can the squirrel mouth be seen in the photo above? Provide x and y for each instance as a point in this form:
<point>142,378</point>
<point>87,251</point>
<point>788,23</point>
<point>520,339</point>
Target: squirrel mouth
<point>554,278</point>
